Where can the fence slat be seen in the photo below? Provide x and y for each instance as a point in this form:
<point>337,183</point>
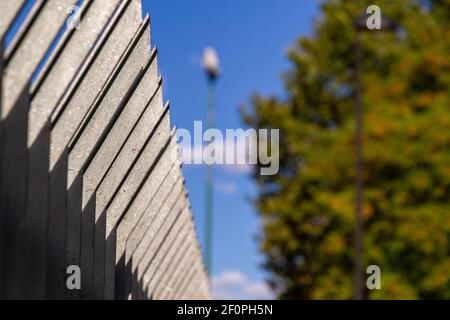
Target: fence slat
<point>66,119</point>
<point>8,12</point>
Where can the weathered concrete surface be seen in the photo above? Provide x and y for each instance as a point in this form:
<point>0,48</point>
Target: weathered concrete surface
<point>138,265</point>
<point>146,265</point>
<point>30,49</point>
<point>104,249</point>
<point>124,195</point>
<point>13,198</point>
<point>153,149</point>
<point>1,179</point>
<point>192,289</point>
<point>129,151</point>
<point>164,286</point>
<point>47,90</point>
<point>193,284</point>
<point>8,12</point>
<point>120,147</point>
<point>89,173</point>
<point>190,270</point>
<point>66,119</point>
<point>190,275</point>
<point>117,176</point>
<point>165,254</point>
<point>179,280</point>
<point>130,230</point>
<point>91,135</point>
<point>180,273</point>
<point>196,283</point>
<point>163,170</point>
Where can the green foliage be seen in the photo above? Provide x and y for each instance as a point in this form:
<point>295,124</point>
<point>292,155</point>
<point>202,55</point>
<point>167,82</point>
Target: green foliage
<point>308,208</point>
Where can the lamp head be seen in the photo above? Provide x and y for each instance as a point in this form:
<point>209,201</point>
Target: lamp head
<point>211,63</point>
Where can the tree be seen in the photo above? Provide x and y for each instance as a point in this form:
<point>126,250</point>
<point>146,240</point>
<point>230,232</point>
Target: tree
<point>308,208</point>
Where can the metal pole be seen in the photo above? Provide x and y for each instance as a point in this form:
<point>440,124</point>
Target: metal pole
<point>358,292</point>
<point>209,196</point>
<point>360,26</point>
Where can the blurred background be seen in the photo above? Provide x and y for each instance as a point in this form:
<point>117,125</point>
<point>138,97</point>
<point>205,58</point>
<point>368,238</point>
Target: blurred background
<point>300,66</point>
<point>251,39</point>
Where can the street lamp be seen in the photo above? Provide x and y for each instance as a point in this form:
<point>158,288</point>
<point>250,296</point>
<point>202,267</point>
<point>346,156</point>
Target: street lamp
<point>360,26</point>
<point>211,65</point>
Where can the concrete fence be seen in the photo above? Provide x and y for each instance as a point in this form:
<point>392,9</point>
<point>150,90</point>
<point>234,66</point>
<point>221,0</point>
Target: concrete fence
<point>93,203</point>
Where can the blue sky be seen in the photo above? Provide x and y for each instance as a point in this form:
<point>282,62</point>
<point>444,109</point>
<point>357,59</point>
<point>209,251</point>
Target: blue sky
<point>251,38</point>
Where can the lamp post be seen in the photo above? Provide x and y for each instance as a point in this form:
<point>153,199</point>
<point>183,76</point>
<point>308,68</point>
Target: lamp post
<point>211,66</point>
<point>360,25</point>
